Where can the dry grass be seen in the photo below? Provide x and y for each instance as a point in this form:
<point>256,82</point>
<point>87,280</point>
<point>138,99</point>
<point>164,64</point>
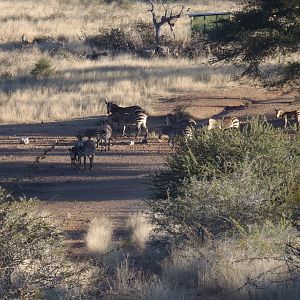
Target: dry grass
<point>160,290</point>
<point>228,265</point>
<point>127,280</point>
<point>82,85</point>
<point>99,235</point>
<point>140,229</point>
<point>68,19</point>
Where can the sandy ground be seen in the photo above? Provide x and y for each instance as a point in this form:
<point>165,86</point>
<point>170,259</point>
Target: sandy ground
<point>120,178</point>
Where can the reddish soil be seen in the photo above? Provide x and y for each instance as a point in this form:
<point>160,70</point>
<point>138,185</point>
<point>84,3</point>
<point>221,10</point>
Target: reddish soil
<point>119,181</point>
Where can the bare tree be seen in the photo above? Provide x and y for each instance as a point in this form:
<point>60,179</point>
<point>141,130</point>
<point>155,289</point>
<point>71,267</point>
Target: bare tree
<point>167,18</point>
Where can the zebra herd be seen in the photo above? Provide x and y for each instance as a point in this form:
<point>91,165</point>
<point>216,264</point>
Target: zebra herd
<point>175,126</point>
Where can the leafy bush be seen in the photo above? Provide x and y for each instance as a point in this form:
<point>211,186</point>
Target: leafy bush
<point>42,69</point>
<point>221,178</point>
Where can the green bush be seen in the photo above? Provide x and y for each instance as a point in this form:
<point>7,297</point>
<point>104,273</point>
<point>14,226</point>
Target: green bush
<point>42,69</point>
<point>222,178</point>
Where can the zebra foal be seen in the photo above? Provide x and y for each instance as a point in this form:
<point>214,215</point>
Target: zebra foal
<point>82,149</point>
<point>102,134</point>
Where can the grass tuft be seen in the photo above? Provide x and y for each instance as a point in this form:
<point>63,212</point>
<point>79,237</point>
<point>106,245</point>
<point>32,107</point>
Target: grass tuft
<point>99,236</point>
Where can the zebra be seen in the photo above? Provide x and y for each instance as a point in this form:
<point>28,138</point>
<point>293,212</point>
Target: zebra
<point>114,108</point>
<point>139,119</point>
<point>172,120</point>
<point>225,123</point>
<point>74,155</point>
<point>82,149</point>
<point>76,152</point>
<point>288,115</point>
<point>105,135</point>
<point>102,134</point>
<point>88,151</point>
<point>180,129</point>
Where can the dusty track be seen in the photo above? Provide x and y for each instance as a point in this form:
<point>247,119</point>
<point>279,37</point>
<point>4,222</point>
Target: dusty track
<point>119,180</point>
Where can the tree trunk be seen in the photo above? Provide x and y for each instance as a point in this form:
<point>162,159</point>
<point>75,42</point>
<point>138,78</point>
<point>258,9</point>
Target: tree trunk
<point>158,34</point>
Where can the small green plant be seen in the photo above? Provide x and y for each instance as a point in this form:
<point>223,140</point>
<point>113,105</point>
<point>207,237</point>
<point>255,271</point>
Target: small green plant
<point>42,69</point>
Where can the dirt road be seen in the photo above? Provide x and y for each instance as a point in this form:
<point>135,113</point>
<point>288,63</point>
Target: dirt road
<point>120,178</point>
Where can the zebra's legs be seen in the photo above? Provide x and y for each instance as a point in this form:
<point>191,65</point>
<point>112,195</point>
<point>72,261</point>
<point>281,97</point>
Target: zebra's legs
<point>84,162</point>
<point>146,132</point>
<point>138,131</point>
<point>91,158</point>
<point>285,121</point>
<point>124,129</point>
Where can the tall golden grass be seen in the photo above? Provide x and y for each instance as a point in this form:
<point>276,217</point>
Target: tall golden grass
<point>59,18</point>
<point>79,86</point>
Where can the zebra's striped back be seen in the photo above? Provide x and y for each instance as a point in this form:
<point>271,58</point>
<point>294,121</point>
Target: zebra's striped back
<point>225,123</point>
<point>114,108</point>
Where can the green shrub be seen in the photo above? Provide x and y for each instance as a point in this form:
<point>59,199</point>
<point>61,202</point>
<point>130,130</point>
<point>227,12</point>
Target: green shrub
<point>220,178</point>
<point>42,69</point>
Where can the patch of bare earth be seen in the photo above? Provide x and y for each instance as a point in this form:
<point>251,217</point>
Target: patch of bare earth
<point>119,180</point>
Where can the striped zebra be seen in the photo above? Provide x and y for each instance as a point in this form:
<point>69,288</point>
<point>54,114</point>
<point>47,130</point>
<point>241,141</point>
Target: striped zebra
<point>102,134</point>
<point>175,132</point>
<point>138,119</point>
<point>225,123</point>
<point>184,128</point>
<point>172,120</point>
<point>130,115</point>
<point>288,115</point>
<point>82,149</point>
<point>88,151</point>
<point>105,136</point>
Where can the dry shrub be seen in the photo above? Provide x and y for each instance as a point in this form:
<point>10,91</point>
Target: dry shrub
<point>233,268</point>
<point>139,228</point>
<point>33,261</point>
<point>181,267</point>
<point>127,280</point>
<point>161,290</point>
<point>99,235</point>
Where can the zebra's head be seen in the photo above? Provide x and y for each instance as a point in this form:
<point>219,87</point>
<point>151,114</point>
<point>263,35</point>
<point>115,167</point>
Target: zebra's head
<point>171,120</point>
<point>212,123</point>
<point>110,106</point>
<point>278,112</point>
